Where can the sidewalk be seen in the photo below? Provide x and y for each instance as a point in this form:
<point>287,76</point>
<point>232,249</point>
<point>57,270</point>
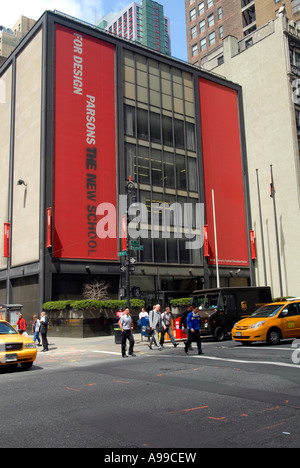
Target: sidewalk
<point>100,343</point>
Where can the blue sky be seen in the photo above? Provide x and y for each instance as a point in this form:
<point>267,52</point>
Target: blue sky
<point>89,10</point>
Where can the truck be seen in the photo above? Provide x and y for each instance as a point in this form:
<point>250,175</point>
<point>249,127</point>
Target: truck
<point>221,308</point>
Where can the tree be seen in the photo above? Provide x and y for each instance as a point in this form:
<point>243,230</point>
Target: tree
<point>98,290</point>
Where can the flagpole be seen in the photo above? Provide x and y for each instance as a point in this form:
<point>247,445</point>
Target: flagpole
<point>215,233</point>
<point>261,229</point>
<point>272,195</point>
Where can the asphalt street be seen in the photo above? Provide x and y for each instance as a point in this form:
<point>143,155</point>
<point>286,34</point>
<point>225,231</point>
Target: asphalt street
<point>83,394</point>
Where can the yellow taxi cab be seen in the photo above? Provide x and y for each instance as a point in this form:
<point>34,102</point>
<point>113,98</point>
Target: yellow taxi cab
<point>270,323</point>
<point>15,348</point>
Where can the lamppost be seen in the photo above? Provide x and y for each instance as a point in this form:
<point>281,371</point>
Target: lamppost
<point>131,196</point>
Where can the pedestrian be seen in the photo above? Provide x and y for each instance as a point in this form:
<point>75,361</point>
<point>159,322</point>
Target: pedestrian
<point>36,330</point>
<point>143,313</point>
<point>194,326</point>
<point>156,325</point>
<point>183,321</point>
<point>126,325</point>
<point>44,330</point>
<point>21,324</point>
<point>167,320</point>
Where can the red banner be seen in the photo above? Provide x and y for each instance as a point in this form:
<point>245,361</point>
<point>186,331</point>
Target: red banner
<point>84,151</point>
<point>222,164</point>
<point>49,228</point>
<point>6,240</point>
<point>253,246</point>
<point>206,249</point>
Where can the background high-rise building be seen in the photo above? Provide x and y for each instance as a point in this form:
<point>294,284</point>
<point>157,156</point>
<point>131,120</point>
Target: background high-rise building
<point>10,38</point>
<point>208,22</point>
<point>144,23</point>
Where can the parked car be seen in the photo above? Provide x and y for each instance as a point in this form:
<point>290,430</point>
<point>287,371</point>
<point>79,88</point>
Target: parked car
<point>15,348</point>
<point>270,323</point>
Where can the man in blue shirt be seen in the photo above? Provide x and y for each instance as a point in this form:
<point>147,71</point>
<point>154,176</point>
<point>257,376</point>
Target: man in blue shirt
<point>194,326</point>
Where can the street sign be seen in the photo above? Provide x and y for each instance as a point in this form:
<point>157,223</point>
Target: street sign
<point>132,260</point>
<point>123,268</point>
<point>134,242</point>
<point>122,253</point>
<point>136,247</point>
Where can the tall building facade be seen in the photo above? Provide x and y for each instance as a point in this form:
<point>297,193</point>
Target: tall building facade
<point>10,38</point>
<point>84,113</point>
<point>267,65</point>
<point>208,22</point>
<point>144,23</point>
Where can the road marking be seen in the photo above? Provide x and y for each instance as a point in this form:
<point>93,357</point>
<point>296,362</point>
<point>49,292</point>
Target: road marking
<point>242,361</point>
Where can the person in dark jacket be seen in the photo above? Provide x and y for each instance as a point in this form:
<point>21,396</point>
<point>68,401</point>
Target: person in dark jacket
<point>183,322</point>
<point>194,326</point>
<point>44,330</point>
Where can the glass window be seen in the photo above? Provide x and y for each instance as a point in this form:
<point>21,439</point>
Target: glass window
<point>128,58</point>
<point>166,102</point>
<point>201,8</point>
<point>177,90</point>
<point>129,90</point>
<point>190,136</point>
<point>203,44</point>
<point>154,98</point>
<point>180,172</point>
<point>172,250</point>
<point>142,124</point>
<point>212,38</point>
<point>142,94</point>
<point>194,50</point>
<point>141,63</point>
<point>179,133</point>
<point>141,78</point>
<point>155,133</point>
<point>193,32</point>
<point>154,82</point>
<point>167,131</point>
<point>211,20</point>
<point>192,174</point>
<point>129,74</point>
<point>193,14</point>
<point>146,254</point>
<point>202,26</point>
<point>169,175</point>
<point>129,120</point>
<point>130,161</point>
<point>184,253</point>
<point>166,87</point>
<point>156,167</point>
<point>143,165</point>
<point>159,251</point>
<point>220,13</point>
<point>210,3</point>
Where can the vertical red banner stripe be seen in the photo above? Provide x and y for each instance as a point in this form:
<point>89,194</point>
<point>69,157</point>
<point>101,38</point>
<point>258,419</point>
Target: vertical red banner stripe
<point>49,228</point>
<point>6,240</point>
<point>84,148</point>
<point>222,165</point>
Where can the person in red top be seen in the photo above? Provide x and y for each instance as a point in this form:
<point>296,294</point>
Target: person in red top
<point>21,324</point>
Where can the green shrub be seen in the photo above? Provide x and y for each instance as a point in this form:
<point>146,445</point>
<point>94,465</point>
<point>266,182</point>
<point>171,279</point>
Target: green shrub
<point>90,304</point>
<point>183,301</point>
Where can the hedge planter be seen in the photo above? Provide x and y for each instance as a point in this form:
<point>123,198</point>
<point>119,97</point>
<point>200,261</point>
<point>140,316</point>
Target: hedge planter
<point>73,319</point>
